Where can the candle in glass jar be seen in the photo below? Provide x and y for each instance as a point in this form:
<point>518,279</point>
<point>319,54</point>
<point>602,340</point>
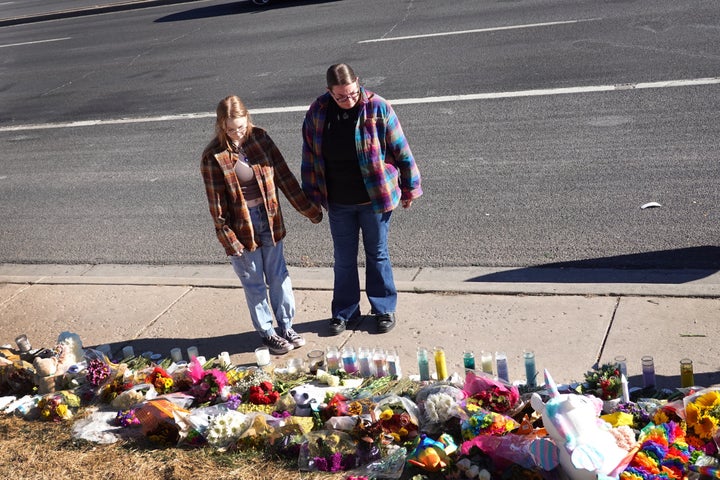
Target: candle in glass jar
<point>365,362</point>
<point>262,356</point>
<point>486,361</point>
<point>393,363</point>
<point>440,364</point>
<point>332,357</point>
<point>176,355</point>
<point>469,361</point>
<point>502,366</point>
<point>648,371</point>
<point>349,360</point>
<point>128,351</point>
<point>224,359</point>
<point>530,373</point>
<point>192,352</point>
<point>687,377</point>
<point>380,362</point>
<point>423,364</point>
<point>621,362</point>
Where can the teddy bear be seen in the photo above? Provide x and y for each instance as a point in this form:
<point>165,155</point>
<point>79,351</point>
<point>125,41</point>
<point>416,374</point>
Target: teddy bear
<point>307,398</point>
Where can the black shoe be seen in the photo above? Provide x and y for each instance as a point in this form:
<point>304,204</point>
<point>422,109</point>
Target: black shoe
<point>277,345</point>
<point>337,326</point>
<point>385,322</point>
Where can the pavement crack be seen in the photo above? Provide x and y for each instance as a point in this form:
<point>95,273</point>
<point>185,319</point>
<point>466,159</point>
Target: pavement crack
<point>165,310</point>
<point>607,333</point>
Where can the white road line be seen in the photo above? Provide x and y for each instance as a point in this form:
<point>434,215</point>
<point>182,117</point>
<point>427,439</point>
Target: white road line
<point>478,30</point>
<point>399,101</point>
<point>36,41</point>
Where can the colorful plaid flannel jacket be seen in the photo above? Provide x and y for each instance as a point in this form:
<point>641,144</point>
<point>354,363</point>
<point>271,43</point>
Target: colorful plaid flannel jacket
<point>386,162</point>
<point>227,206</point>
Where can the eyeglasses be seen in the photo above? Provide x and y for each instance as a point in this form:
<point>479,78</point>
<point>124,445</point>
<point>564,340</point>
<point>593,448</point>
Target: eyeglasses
<point>344,98</point>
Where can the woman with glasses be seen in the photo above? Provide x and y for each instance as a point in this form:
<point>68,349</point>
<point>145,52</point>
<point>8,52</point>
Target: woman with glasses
<point>356,163</point>
<point>243,170</point>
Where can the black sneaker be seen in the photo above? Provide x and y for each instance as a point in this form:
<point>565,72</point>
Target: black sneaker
<point>293,337</point>
<point>385,322</point>
<point>277,345</point>
<point>337,326</point>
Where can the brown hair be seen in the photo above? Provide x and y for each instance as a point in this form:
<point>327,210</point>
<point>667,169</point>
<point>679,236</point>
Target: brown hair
<point>230,107</point>
<point>340,74</point>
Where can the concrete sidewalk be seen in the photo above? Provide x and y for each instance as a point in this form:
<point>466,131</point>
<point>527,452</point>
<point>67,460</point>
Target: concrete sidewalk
<point>570,318</point>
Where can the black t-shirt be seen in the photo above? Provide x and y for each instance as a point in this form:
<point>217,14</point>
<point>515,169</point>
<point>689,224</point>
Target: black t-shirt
<point>342,169</point>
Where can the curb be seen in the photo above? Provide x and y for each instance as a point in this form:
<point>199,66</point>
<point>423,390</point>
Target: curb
<point>84,11</point>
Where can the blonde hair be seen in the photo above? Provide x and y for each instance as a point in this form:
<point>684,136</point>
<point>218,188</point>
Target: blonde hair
<point>230,107</point>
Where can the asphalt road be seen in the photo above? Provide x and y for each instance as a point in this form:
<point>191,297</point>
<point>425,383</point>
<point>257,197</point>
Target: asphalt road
<point>553,176</point>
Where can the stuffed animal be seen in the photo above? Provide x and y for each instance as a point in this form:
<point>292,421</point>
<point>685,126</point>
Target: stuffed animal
<point>69,350</point>
<point>46,377</point>
<point>587,448</point>
<point>307,398</point>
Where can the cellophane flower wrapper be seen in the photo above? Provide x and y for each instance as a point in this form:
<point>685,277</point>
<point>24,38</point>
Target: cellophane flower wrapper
<point>520,449</point>
<point>702,414</point>
<point>327,451</point>
<point>438,404</point>
<point>491,394</point>
<point>390,466</point>
<point>484,422</point>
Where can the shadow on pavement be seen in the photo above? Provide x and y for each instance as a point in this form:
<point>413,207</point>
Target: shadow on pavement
<point>665,266</point>
<point>233,8</point>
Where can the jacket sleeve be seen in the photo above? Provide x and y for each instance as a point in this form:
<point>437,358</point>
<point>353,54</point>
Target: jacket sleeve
<point>308,173</point>
<point>288,184</point>
<point>217,201</point>
<point>402,157</point>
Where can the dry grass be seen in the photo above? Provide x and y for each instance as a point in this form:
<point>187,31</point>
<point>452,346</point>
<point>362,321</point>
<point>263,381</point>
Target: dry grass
<point>40,450</point>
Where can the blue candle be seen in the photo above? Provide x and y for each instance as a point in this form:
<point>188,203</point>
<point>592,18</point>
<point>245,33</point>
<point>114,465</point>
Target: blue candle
<point>648,371</point>
<point>530,373</point>
<point>423,364</point>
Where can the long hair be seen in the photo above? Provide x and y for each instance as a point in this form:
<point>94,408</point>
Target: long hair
<point>340,74</point>
<point>230,107</point>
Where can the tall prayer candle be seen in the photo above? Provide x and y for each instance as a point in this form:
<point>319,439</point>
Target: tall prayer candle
<point>440,364</point>
<point>648,371</point>
<point>423,364</point>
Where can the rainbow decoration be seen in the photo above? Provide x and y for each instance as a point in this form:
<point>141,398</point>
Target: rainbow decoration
<point>663,453</point>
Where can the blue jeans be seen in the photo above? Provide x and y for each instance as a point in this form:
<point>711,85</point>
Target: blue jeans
<point>346,223</point>
<point>266,263</point>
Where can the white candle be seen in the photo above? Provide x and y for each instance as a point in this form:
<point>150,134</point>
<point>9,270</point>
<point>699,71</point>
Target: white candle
<point>262,356</point>
<point>192,352</point>
<point>625,391</point>
<point>224,358</point>
<point>176,355</point>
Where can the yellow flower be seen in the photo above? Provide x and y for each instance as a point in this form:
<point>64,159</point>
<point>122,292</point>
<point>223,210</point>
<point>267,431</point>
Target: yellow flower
<point>706,427</point>
<point>660,417</point>
<point>692,413</point>
<point>62,411</point>
<point>708,400</point>
<point>403,432</point>
<point>395,437</point>
<point>386,414</point>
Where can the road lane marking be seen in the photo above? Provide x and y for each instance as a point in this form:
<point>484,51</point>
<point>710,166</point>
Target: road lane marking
<point>400,101</point>
<point>478,30</point>
<point>36,41</point>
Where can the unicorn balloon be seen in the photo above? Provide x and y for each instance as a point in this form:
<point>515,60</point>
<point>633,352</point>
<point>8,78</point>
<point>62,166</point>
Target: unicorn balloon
<point>587,449</point>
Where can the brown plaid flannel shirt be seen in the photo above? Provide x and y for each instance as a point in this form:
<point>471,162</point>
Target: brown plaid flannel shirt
<point>227,206</point>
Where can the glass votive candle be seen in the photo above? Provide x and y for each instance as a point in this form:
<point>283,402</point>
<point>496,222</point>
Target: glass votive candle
<point>105,349</point>
<point>295,365</point>
<point>621,362</point>
<point>262,356</point>
<point>469,361</point>
<point>380,362</point>
<point>648,371</point>
<point>176,355</point>
<point>192,352</point>
<point>530,373</point>
<point>486,360</point>
<point>332,357</point>
<point>128,351</point>
<point>687,376</point>
<point>23,343</point>
<point>224,359</point>
<point>365,361</point>
<point>349,360</point>
<point>316,360</point>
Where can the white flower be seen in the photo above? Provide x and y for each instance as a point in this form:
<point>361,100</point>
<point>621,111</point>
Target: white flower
<point>438,407</point>
<point>225,428</point>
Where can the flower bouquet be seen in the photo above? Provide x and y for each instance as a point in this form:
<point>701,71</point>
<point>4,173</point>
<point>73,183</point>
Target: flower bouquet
<point>490,394</point>
<point>604,382</point>
<point>702,414</point>
<point>327,451</point>
<point>207,385</point>
<point>58,406</point>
